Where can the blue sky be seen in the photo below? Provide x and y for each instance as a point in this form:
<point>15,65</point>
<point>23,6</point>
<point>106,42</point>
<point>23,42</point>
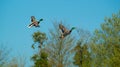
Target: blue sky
<point>15,16</point>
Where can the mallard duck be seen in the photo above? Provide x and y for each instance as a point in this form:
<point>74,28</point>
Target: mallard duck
<point>34,22</point>
<point>65,32</point>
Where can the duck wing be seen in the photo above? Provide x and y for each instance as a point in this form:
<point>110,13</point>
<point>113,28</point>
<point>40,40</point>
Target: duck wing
<point>33,19</point>
<point>63,29</point>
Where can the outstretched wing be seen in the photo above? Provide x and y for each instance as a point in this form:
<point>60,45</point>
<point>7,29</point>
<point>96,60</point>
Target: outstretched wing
<point>30,25</point>
<point>33,19</point>
<point>63,29</point>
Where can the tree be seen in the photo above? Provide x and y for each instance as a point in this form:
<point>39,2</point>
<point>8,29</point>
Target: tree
<point>39,38</point>
<point>3,55</point>
<point>59,50</point>
<point>82,56</point>
<point>40,58</point>
<point>16,62</point>
<point>106,43</point>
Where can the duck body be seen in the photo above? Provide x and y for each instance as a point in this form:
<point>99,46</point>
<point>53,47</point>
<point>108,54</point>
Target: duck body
<point>34,22</point>
<point>65,32</point>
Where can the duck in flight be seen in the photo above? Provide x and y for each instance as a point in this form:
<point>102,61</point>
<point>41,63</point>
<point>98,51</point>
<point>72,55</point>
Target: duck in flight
<point>65,32</point>
<point>34,22</point>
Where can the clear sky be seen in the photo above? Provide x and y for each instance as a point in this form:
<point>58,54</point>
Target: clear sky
<point>15,16</point>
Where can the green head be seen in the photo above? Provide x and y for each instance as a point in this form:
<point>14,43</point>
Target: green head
<point>41,20</point>
<point>73,28</point>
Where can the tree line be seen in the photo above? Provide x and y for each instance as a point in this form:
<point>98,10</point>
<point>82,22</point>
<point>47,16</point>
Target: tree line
<point>81,49</point>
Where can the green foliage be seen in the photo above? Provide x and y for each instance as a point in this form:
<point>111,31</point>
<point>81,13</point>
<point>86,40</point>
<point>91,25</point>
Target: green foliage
<point>106,43</point>
<point>78,56</point>
<point>82,56</point>
<point>115,58</point>
<point>40,60</point>
<point>39,37</point>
